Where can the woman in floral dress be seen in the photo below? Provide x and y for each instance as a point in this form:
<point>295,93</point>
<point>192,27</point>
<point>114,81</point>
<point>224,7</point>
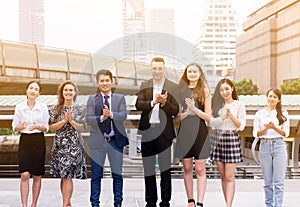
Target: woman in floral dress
<point>67,159</point>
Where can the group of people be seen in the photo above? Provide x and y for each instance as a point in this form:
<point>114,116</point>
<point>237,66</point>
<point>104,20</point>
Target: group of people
<point>161,102</point>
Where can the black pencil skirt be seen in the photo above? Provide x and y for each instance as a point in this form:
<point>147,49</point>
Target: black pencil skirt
<point>31,156</point>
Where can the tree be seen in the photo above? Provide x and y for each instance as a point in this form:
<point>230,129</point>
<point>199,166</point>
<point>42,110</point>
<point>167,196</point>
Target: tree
<point>291,87</point>
<point>246,87</point>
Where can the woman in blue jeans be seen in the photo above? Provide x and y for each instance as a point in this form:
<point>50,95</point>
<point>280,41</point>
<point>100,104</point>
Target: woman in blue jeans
<point>271,125</point>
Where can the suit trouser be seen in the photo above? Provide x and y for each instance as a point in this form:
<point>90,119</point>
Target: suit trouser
<point>160,147</point>
<point>115,157</point>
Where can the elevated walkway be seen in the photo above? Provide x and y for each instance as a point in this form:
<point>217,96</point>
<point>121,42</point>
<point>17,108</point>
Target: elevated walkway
<point>20,63</point>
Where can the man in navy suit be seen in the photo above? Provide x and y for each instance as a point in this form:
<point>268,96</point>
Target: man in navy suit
<point>156,99</point>
<point>106,113</point>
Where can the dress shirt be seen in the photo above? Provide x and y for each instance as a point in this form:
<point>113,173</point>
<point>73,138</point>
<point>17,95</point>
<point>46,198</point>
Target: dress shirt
<point>38,114</point>
<point>237,109</point>
<point>263,117</point>
<point>112,133</point>
<point>157,89</point>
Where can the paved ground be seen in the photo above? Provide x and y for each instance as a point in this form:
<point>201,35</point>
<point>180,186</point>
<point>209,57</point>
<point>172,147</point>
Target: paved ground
<point>248,193</point>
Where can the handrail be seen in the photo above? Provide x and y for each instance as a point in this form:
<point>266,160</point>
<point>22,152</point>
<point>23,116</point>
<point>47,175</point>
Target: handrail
<point>133,171</point>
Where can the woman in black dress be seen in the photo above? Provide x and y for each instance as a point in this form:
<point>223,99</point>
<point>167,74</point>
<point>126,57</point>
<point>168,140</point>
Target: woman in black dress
<point>192,135</point>
<point>67,158</point>
<point>31,119</point>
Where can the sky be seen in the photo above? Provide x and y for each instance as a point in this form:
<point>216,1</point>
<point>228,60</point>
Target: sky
<point>87,25</point>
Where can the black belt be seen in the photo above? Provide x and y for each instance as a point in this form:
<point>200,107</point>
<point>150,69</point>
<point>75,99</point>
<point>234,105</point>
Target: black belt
<point>109,138</point>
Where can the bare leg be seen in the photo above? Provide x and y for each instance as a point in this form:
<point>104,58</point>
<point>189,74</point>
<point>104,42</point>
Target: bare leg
<point>227,171</point>
<point>230,182</point>
<point>201,179</point>
<point>66,186</point>
<point>221,169</point>
<point>36,188</point>
<point>188,179</point>
<point>24,188</point>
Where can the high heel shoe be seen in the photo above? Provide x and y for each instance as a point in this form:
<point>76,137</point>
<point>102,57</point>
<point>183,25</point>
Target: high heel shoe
<point>191,201</point>
<point>199,204</point>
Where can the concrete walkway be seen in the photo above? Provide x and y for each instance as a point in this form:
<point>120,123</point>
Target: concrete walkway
<point>249,193</point>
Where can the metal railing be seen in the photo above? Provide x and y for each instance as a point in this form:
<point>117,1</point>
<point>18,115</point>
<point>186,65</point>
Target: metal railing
<point>136,171</point>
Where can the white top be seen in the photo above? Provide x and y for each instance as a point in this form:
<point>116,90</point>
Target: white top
<point>38,114</point>
<point>263,117</point>
<point>237,108</point>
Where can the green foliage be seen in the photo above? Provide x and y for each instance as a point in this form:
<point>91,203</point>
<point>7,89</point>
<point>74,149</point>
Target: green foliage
<point>5,131</point>
<point>291,87</point>
<point>246,87</point>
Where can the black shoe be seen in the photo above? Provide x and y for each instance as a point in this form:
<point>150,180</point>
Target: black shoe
<point>150,205</point>
<point>191,201</point>
<point>199,204</point>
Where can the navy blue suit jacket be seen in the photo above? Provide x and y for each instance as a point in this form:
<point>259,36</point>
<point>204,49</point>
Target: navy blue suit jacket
<point>94,112</point>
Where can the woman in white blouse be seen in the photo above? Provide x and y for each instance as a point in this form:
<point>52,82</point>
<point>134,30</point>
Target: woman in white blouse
<point>31,119</point>
<point>229,118</point>
<point>271,124</point>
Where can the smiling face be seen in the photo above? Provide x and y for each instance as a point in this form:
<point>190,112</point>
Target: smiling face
<point>226,91</point>
<point>33,91</point>
<point>69,92</point>
<point>272,99</point>
<point>193,74</point>
<point>158,70</point>
<point>104,84</point>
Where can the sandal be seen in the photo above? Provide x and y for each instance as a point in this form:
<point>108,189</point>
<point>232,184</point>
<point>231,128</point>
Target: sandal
<point>191,201</point>
<point>199,204</point>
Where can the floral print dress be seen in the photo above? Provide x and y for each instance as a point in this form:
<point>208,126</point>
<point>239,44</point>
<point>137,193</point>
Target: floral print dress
<point>67,155</point>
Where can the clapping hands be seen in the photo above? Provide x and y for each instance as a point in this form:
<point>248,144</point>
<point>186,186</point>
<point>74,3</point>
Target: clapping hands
<point>68,116</point>
<point>191,108</point>
<point>106,112</point>
<point>161,98</point>
<point>269,125</point>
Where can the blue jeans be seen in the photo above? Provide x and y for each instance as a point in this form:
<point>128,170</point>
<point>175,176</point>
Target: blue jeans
<point>115,157</point>
<point>273,160</point>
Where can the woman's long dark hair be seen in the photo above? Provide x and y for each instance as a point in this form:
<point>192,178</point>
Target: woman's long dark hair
<point>33,81</point>
<point>199,90</point>
<point>60,96</point>
<point>217,100</point>
<point>281,118</point>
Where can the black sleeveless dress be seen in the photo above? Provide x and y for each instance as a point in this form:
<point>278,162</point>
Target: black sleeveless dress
<point>192,140</point>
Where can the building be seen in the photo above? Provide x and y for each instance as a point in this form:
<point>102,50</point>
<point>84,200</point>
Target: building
<point>149,31</point>
<point>161,21</point>
<point>217,42</point>
<point>133,28</point>
<point>268,52</point>
<point>31,22</point>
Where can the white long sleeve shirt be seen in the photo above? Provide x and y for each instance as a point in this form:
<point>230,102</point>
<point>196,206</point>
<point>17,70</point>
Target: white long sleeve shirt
<point>263,117</point>
<point>38,114</point>
<point>237,108</point>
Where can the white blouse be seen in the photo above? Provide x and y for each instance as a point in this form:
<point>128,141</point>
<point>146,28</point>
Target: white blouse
<point>237,108</point>
<point>263,117</point>
<point>38,114</point>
